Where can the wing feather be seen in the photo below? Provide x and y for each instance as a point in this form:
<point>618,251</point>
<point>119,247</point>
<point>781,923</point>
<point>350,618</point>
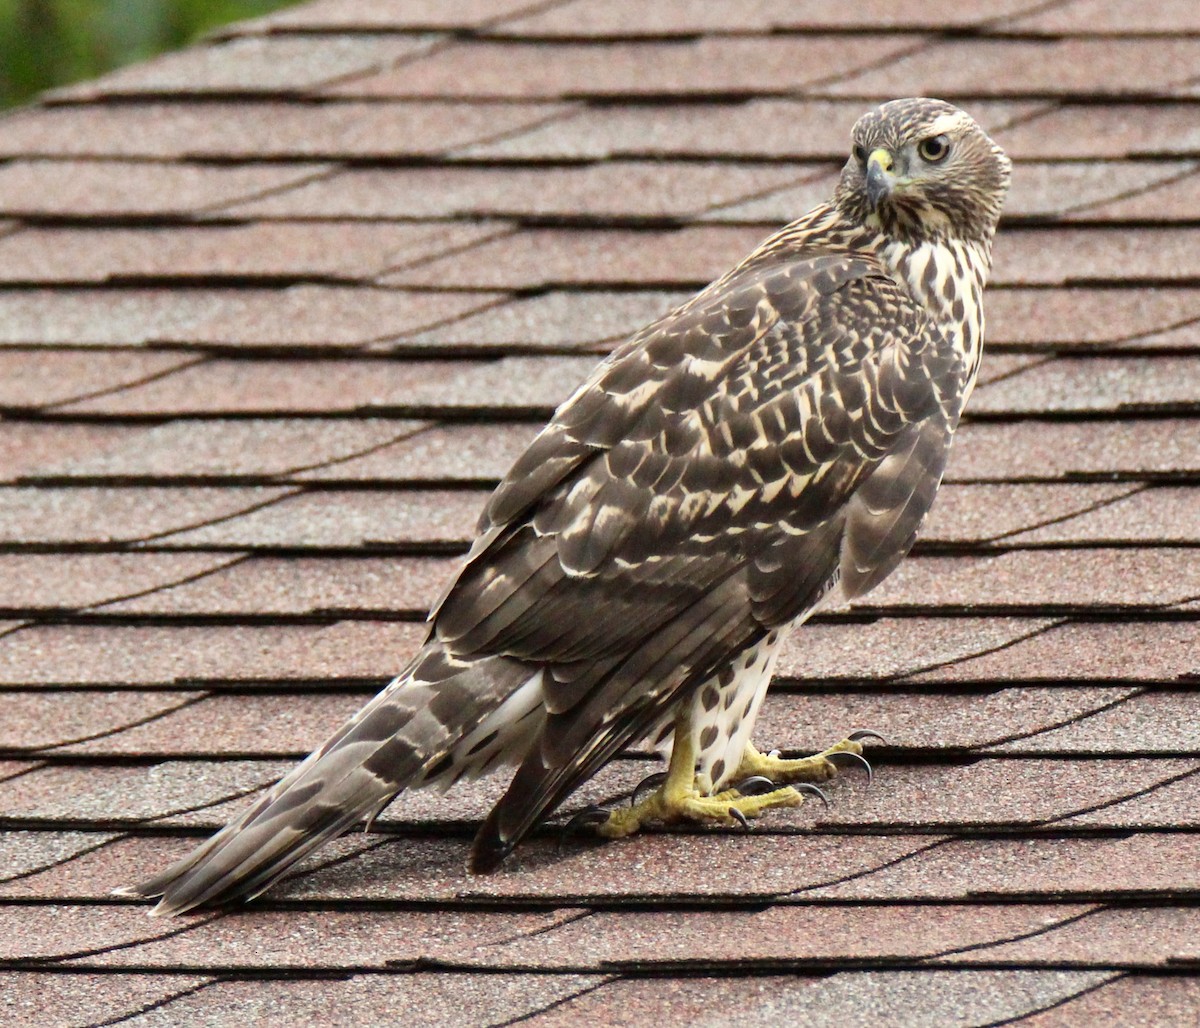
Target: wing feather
<point>708,483</point>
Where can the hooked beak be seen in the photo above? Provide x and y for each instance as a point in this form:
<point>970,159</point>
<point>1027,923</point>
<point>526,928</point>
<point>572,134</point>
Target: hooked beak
<point>881,178</point>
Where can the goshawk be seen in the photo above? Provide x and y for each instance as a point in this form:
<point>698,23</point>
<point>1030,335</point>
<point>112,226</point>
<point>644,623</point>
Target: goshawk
<point>773,443</point>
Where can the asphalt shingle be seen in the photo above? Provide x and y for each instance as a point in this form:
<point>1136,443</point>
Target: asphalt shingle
<point>277,311</point>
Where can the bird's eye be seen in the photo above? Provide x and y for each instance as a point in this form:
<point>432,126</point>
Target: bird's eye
<point>934,149</point>
<point>860,154</point>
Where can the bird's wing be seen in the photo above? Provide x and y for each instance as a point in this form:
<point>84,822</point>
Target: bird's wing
<point>697,491</point>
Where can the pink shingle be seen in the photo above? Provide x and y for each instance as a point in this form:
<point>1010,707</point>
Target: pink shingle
<point>1103,16</point>
<point>59,581</point>
<point>301,586</point>
<point>368,387</point>
<point>602,191</point>
<point>392,15</point>
<point>30,380</point>
<point>1071,67</point>
<point>126,189</point>
<point>39,720</point>
<point>338,250</point>
<point>549,257</point>
<point>1033,664</point>
<point>168,654</point>
<point>692,17</point>
<point>1096,131</point>
<point>706,66</point>
<point>757,129</point>
<point>1139,651</point>
<point>249,449</point>
<point>1112,256</point>
<point>892,997</point>
<point>1160,1000</point>
<point>102,515</point>
<point>1074,866</point>
<point>90,998</point>
<point>432,998</point>
<point>270,64</point>
<point>459,453</point>
<point>1167,447</point>
<point>262,129</point>
<point>1117,385</point>
<point>1081,317</point>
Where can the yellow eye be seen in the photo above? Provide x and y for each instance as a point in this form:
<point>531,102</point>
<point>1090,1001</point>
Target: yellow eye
<point>934,149</point>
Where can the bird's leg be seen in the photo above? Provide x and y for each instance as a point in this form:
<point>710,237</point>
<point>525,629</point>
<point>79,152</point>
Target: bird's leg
<point>678,799</point>
<point>817,768</point>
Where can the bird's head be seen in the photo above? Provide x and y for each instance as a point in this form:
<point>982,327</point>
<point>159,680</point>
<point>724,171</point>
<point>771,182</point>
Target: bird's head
<point>922,169</point>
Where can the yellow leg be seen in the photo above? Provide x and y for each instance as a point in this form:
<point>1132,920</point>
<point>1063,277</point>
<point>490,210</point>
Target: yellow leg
<point>818,768</point>
<point>678,799</point>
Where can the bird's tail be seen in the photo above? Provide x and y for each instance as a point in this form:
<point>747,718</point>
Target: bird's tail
<point>410,734</point>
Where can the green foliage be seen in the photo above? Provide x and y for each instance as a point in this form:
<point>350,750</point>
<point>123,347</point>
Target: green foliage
<point>45,43</point>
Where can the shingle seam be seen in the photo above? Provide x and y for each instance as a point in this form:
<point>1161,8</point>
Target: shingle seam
<point>224,565</point>
<point>284,493</point>
<point>867,872</point>
<point>1071,516</point>
<point>1190,171</point>
<point>104,841</point>
<point>567,112</point>
<point>118,947</point>
<point>111,390</point>
<point>156,1005</point>
<point>1021,368</point>
<point>388,342</point>
<point>332,462</point>
<point>561,1001</point>
<point>9,629</point>
<point>1038,629</point>
<point>1055,726</point>
<point>237,794</point>
<point>1064,1001</point>
<point>765,30</point>
<point>1170,326</point>
<point>35,766</point>
<point>120,729</point>
<point>813,173</point>
<point>257,28</point>
<point>437,41</point>
<point>1036,8</point>
<point>1117,801</point>
<point>321,172</point>
<point>503,231</point>
<point>571,916</point>
<point>1018,936</point>
<point>772,966</point>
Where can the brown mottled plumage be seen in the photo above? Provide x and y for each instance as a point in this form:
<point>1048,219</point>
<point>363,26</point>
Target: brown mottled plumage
<point>778,438</point>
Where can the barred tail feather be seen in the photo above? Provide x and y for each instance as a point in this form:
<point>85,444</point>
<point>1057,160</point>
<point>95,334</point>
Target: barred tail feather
<point>413,726</point>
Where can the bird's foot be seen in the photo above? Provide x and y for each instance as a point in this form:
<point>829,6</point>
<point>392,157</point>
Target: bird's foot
<point>667,805</point>
<point>818,768</point>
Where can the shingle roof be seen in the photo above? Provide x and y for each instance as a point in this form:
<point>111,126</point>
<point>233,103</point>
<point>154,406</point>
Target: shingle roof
<point>275,312</point>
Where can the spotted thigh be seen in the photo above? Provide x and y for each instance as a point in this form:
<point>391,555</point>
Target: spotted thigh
<point>724,710</point>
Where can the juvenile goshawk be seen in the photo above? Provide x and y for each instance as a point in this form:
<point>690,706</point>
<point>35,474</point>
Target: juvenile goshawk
<point>774,442</point>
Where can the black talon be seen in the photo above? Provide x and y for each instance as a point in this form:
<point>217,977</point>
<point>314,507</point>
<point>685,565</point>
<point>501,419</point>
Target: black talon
<point>755,785</point>
<point>851,756</point>
<point>649,782</point>
<point>865,733</point>
<point>739,817</point>
<point>593,815</point>
<point>810,788</point>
